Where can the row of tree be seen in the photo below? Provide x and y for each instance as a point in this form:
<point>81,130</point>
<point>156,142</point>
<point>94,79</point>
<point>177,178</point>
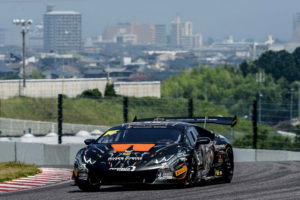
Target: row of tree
<point>280,64</point>
<point>95,93</point>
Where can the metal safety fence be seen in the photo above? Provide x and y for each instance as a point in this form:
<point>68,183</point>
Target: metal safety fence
<point>277,122</point>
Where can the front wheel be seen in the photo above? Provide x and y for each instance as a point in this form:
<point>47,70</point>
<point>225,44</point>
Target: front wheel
<point>87,186</point>
<point>190,179</point>
<point>228,165</point>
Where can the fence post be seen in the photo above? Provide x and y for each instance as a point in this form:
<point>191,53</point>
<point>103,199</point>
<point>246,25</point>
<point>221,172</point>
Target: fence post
<point>59,117</point>
<point>190,107</point>
<point>125,109</point>
<point>254,122</point>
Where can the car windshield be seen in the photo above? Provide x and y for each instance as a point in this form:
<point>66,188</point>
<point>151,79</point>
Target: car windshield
<point>142,135</point>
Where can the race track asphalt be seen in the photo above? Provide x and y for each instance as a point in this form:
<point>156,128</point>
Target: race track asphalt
<point>260,180</point>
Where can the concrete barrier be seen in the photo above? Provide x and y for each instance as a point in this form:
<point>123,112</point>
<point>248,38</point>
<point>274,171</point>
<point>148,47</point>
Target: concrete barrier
<point>7,151</point>
<point>45,154</point>
<point>56,154</point>
<point>271,155</point>
<point>31,153</point>
<point>244,155</point>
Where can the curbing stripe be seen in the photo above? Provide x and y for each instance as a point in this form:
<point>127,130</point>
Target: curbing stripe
<point>47,177</point>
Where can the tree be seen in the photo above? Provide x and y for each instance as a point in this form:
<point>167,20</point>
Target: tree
<point>94,93</point>
<point>109,90</point>
<point>36,75</point>
<point>279,64</point>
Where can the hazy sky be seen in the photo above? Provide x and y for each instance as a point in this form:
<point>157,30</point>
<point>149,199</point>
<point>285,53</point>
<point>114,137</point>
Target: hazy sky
<point>213,18</point>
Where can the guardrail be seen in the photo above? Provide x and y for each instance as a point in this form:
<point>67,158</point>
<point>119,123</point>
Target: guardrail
<point>46,154</point>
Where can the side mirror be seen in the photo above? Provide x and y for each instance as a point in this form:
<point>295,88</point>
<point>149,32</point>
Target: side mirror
<point>202,140</point>
<point>89,141</point>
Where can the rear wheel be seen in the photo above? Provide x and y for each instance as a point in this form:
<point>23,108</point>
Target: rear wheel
<point>228,165</point>
<point>88,186</point>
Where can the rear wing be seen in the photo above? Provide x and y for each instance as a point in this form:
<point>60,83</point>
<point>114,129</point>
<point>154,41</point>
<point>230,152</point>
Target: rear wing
<point>232,121</point>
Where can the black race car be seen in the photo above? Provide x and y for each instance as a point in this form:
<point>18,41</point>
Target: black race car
<point>155,151</point>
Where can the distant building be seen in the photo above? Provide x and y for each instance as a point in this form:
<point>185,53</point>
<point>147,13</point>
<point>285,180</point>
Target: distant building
<point>187,28</point>
<point>198,41</point>
<point>181,34</point>
<point>127,39</point>
<point>111,32</point>
<point>176,30</point>
<point>62,31</point>
<point>36,35</point>
<point>145,33</point>
<point>160,34</point>
<point>296,27</point>
<point>2,37</point>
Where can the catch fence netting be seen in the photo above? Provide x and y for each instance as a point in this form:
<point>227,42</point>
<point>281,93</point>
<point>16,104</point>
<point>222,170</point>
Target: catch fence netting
<point>277,121</point>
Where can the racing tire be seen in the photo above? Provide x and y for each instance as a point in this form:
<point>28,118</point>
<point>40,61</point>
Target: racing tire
<point>87,186</point>
<point>228,165</point>
<point>190,179</point>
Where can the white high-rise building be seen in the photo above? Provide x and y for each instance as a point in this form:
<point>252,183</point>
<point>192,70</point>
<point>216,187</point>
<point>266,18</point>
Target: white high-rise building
<point>62,31</point>
<point>176,30</point>
<point>198,41</point>
<point>2,37</point>
<point>187,28</point>
<point>186,39</point>
<point>181,34</point>
<point>296,27</point>
<point>160,34</point>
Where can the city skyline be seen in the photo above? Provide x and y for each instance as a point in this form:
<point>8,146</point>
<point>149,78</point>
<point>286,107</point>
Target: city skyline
<point>217,19</point>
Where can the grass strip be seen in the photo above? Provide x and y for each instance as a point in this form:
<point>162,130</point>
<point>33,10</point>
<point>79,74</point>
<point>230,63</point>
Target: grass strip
<point>14,170</point>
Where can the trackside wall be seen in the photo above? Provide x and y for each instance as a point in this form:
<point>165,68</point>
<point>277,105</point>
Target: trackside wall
<point>46,154</point>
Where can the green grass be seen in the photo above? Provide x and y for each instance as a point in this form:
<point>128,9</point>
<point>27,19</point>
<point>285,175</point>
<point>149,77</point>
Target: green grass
<point>14,170</point>
<point>109,111</point>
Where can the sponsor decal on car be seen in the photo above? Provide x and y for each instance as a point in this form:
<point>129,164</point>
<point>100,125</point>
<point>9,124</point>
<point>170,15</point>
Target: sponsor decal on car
<point>127,169</point>
<point>181,171</point>
<point>110,132</point>
<point>124,158</point>
<point>89,160</point>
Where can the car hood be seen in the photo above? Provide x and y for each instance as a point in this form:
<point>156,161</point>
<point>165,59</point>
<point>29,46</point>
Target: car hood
<point>127,156</point>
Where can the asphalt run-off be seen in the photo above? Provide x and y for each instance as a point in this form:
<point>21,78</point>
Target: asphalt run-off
<point>252,180</point>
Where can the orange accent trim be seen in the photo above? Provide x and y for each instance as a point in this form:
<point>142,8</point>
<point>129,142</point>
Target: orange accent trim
<point>120,147</point>
<point>136,147</point>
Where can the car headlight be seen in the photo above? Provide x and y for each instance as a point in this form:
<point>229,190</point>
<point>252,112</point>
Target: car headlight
<point>89,160</point>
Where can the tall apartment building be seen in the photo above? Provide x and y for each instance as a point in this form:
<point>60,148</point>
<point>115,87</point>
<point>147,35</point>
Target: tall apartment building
<point>296,27</point>
<point>62,31</point>
<point>176,31</point>
<point>2,37</point>
<point>198,41</point>
<point>181,34</point>
<point>160,34</point>
<point>145,33</point>
<point>186,39</point>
